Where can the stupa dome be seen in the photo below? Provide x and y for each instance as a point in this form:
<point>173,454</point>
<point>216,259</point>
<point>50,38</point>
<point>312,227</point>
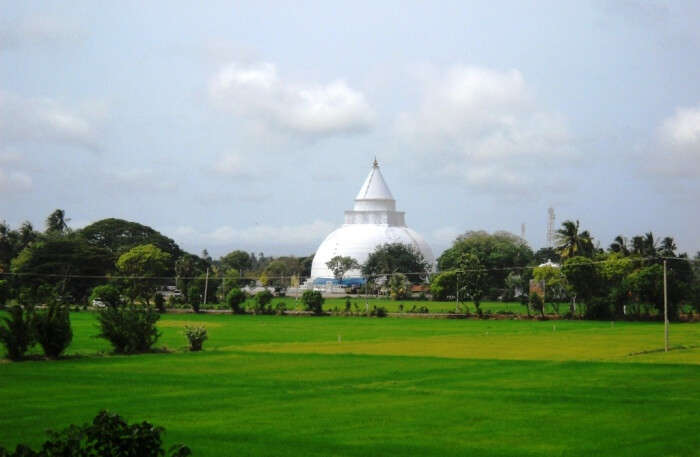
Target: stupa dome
<point>372,222</point>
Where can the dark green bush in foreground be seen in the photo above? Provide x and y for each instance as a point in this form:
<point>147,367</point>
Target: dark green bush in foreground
<point>262,301</point>
<point>234,299</point>
<point>108,436</point>
<point>17,334</point>
<point>313,301</point>
<point>52,330</point>
<point>129,329</point>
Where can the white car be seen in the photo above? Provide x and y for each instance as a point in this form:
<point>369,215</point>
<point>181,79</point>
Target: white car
<point>99,303</point>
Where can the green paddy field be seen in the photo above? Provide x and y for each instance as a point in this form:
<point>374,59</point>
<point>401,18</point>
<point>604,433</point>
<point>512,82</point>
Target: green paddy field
<point>355,386</point>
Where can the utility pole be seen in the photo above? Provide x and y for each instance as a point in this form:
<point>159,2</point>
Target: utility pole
<point>206,286</point>
<point>665,311</point>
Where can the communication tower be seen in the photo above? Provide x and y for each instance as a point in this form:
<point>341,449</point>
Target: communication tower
<point>550,228</point>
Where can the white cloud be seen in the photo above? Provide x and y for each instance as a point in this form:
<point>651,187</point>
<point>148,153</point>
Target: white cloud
<point>46,120</point>
<point>14,181</point>
<point>39,30</point>
<point>483,126</point>
<point>141,178</point>
<point>677,152</point>
<point>236,165</point>
<point>257,93</point>
<point>258,235</point>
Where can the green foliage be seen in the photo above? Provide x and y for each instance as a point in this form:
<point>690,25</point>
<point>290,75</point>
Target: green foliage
<point>68,264</point>
<point>53,330</point>
<point>554,280</point>
<point>261,301</point>
<point>194,297</point>
<point>234,300</point>
<point>143,263</point>
<point>393,258</point>
<point>187,268</point>
<point>313,301</point>
<point>537,304</point>
<point>196,335</point>
<point>340,265</point>
<point>472,278</point>
<point>107,294</point>
<point>108,436</point>
<point>129,329</point>
<point>581,275</point>
<point>57,223</point>
<point>4,292</point>
<point>119,236</point>
<point>444,285</point>
<point>237,260</point>
<point>498,253</point>
<point>399,287</point>
<point>378,311</point>
<point>17,333</point>
<point>159,302</point>
<point>571,242</point>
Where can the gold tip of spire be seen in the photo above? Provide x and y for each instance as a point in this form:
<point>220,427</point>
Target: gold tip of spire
<point>375,164</point>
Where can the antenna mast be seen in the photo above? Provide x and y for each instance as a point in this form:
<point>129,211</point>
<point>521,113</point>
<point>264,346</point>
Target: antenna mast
<point>550,228</point>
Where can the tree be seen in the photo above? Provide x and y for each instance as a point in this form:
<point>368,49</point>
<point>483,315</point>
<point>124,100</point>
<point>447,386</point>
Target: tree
<point>187,268</point>
<point>262,300</point>
<point>68,264</point>
<point>543,255</point>
<point>52,329</point>
<point>399,286</point>
<point>554,283</point>
<point>444,285</point>
<point>472,278</point>
<point>499,253</point>
<point>340,265</point>
<point>619,246</point>
<point>144,264</point>
<point>17,333</point>
<point>234,299</point>
<point>313,301</point>
<point>238,260</point>
<point>57,223</point>
<point>119,236</point>
<point>129,329</point>
<point>572,242</point>
<point>107,294</point>
<point>581,274</point>
<point>391,258</point>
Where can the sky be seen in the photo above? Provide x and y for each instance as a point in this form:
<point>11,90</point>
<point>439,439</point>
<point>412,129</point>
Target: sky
<point>252,125</point>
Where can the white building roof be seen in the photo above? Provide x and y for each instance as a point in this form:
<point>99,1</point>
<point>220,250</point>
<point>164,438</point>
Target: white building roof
<point>374,187</point>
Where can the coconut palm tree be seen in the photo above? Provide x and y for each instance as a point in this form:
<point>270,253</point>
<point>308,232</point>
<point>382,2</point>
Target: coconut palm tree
<point>57,222</point>
<point>571,242</point>
<point>619,245</point>
<point>668,247</point>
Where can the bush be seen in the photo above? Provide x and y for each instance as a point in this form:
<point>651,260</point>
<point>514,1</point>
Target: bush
<point>597,309</point>
<point>378,311</point>
<point>234,299</point>
<point>17,335</point>
<point>280,308</point>
<point>536,303</point>
<point>4,292</point>
<point>196,335</point>
<point>313,301</point>
<point>262,299</point>
<point>53,331</point>
<point>108,436</point>
<point>194,297</point>
<point>159,302</point>
<point>129,329</point>
<point>107,294</point>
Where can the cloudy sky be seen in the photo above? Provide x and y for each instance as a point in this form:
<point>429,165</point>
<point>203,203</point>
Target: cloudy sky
<point>252,125</point>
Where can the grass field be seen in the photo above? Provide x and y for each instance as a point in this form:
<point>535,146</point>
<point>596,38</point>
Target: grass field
<point>335,386</point>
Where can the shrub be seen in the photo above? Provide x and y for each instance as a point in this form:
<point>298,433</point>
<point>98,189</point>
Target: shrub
<point>536,303</point>
<point>129,329</point>
<point>108,436</point>
<point>17,335</point>
<point>4,292</point>
<point>313,301</point>
<point>234,299</point>
<point>280,308</point>
<point>196,335</point>
<point>194,297</point>
<point>107,294</point>
<point>159,302</point>
<point>53,331</point>
<point>262,299</point>
<point>378,311</point>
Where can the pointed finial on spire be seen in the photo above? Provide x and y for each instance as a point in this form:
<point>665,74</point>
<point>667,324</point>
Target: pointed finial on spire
<point>375,164</point>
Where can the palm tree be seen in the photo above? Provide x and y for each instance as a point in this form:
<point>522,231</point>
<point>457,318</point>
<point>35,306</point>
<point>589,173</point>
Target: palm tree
<point>637,245</point>
<point>57,222</point>
<point>651,247</point>
<point>571,242</point>
<point>668,247</point>
<point>619,245</point>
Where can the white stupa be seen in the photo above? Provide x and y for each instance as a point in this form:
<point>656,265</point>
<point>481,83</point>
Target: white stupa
<point>372,222</point>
